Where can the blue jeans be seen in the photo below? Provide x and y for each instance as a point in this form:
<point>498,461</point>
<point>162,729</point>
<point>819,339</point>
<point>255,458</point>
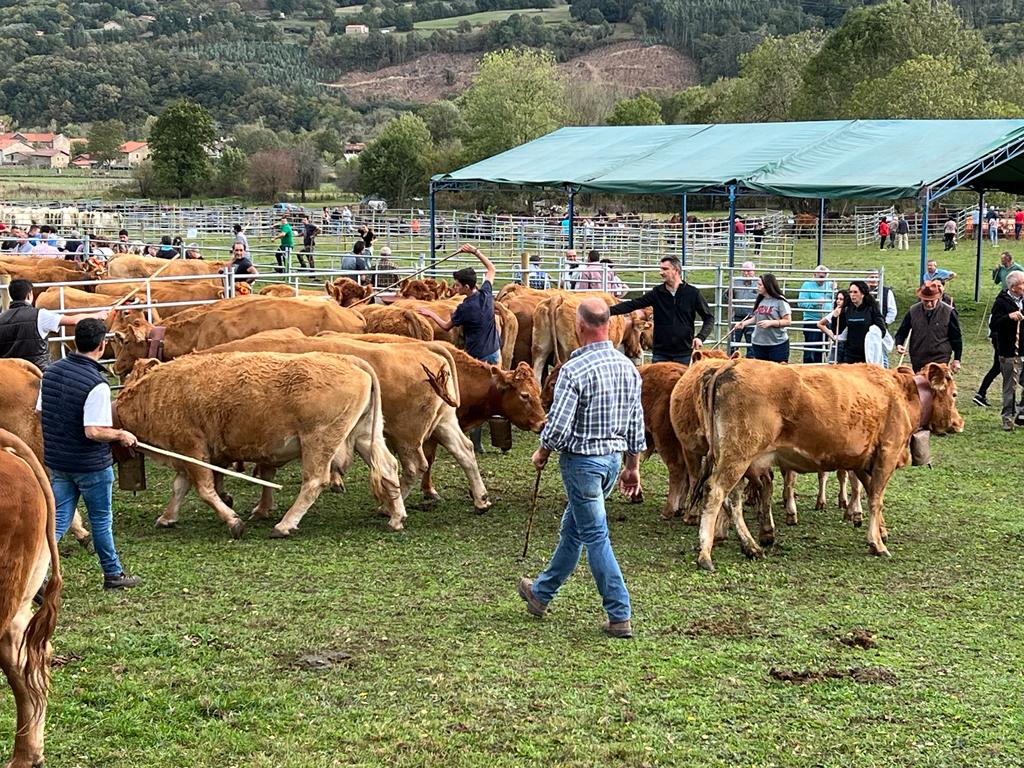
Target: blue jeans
<point>97,490</point>
<point>679,358</point>
<point>815,354</point>
<point>494,358</point>
<point>588,481</point>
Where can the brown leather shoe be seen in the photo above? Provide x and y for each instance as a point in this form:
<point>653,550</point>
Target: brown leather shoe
<point>622,629</point>
<point>534,606</point>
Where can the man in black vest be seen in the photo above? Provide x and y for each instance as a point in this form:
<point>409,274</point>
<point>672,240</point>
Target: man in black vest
<point>24,328</point>
<point>77,425</point>
<point>933,329</point>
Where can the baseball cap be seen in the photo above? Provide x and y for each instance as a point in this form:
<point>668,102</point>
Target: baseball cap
<point>385,251</point>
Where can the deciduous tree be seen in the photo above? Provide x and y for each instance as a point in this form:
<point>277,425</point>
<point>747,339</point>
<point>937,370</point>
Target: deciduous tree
<point>642,110</point>
<point>104,140</point>
<point>270,173</point>
<point>395,164</point>
<point>178,141</point>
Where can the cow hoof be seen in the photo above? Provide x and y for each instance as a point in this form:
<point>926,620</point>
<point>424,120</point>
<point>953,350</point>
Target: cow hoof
<point>792,520</point>
<point>766,539</point>
<point>229,500</point>
<point>705,564</point>
<point>819,505</point>
<point>279,533</point>
<point>431,496</point>
<point>395,526</point>
<point>85,542</point>
<point>847,516</point>
<point>482,510</point>
<point>858,522</point>
<point>161,523</point>
<point>754,553</point>
<point>339,488</point>
<point>258,514</point>
<point>691,520</point>
<point>667,514</point>
<point>879,550</point>
<point>237,528</point>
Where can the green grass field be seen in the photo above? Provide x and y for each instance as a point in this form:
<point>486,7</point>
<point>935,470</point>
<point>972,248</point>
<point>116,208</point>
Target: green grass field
<point>347,645</point>
<point>550,16</point>
<point>42,184</point>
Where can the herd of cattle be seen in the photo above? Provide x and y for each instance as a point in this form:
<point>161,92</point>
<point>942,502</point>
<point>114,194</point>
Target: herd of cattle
<point>266,379</point>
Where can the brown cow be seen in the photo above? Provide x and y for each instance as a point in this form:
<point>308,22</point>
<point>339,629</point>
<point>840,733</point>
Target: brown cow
<point>52,271</point>
<point>554,330</point>
<point>484,391</point>
<point>522,301</point>
<point>146,266</point>
<point>18,397</point>
<point>764,414</point>
<point>348,292</point>
<point>401,321</point>
<point>505,320</point>
<point>424,289</point>
<point>183,293</point>
<point>320,407</point>
<point>28,545</point>
<point>285,290</point>
<point>417,380</point>
<point>226,320</point>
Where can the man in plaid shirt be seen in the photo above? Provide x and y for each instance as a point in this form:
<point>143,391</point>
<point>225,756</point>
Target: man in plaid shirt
<point>596,416</point>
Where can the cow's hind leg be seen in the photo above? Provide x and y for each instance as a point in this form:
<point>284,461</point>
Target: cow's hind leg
<point>427,481</point>
<point>317,458</point>
<point>721,482</point>
<point>763,505</point>
<point>79,531</point>
<point>874,483</point>
<point>414,466</point>
<point>789,497</point>
<point>179,489</point>
<point>459,446</point>
<point>265,505</point>
<point>202,479</point>
<point>854,511</point>
<point>821,502</point>
<point>31,714</point>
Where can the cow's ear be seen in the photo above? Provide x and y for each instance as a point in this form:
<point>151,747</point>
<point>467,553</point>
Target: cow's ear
<point>522,372</point>
<point>138,332</point>
<point>735,356</point>
<point>367,290</point>
<point>119,336</point>
<point>697,355</point>
<point>142,366</point>
<point>937,374</point>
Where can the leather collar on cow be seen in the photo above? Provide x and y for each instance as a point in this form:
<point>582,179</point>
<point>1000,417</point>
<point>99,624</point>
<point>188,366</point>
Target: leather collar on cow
<point>924,392</point>
<point>156,342</point>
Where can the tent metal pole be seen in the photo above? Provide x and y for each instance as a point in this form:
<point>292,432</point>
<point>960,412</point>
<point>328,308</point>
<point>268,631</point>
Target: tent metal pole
<point>821,228</point>
<point>682,223</point>
<point>924,236</point>
<point>572,216</point>
<point>732,225</point>
<point>433,223</point>
<point>977,251</point>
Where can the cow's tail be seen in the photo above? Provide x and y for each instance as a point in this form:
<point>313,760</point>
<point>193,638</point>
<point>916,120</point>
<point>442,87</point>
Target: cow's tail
<point>709,382</point>
<point>36,640</point>
<point>554,304</point>
<point>382,464</point>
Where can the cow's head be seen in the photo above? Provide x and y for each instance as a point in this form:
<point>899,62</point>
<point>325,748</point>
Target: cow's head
<point>346,292</point>
<point>945,417</point>
<point>418,289</point>
<point>141,368</point>
<point>647,329</point>
<point>520,397</point>
<point>632,335</point>
<point>131,333</point>
<point>94,268</point>
<point>547,394</point>
<point>712,354</point>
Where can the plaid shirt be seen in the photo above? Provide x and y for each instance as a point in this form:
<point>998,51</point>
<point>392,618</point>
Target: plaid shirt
<point>597,407</point>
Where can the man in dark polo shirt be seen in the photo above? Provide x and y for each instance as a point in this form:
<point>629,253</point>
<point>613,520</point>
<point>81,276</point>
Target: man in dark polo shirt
<point>676,304</point>
<point>933,328</point>
<point>24,328</point>
<point>475,315</point>
<point>77,425</point>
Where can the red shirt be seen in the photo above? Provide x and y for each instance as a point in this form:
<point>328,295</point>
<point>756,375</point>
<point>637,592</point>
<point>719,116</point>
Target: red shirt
<point>1018,217</point>
<point>883,228</point>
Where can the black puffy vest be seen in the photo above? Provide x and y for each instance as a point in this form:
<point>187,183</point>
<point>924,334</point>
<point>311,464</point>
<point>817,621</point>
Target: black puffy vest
<point>66,385</point>
<point>19,335</point>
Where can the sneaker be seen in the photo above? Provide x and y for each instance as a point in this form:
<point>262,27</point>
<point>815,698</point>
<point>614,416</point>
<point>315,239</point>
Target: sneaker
<point>1019,421</point>
<point>980,399</point>
<point>121,581</point>
<point>621,629</point>
<point>534,606</point>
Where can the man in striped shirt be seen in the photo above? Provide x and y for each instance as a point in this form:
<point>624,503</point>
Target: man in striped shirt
<point>596,416</point>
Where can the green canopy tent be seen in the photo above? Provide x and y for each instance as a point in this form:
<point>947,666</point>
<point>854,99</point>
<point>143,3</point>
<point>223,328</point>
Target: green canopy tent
<point>837,160</point>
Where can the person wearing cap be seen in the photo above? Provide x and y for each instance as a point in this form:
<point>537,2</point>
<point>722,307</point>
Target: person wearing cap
<point>24,328</point>
<point>387,270</point>
<point>475,315</point>
<point>814,299</point>
<point>1005,325</point>
<point>535,276</point>
<point>933,329</point>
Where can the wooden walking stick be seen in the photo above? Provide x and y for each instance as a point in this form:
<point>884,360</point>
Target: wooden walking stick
<point>212,467</point>
<point>533,512</point>
<point>906,346</point>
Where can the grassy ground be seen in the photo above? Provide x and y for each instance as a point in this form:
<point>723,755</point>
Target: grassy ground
<point>40,184</point>
<point>347,645</point>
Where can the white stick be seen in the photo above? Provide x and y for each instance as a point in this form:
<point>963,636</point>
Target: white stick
<point>212,467</point>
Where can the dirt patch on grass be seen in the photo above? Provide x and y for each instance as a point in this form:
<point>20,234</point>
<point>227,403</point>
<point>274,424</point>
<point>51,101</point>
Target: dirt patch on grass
<point>720,627</point>
<point>632,66</point>
<point>859,638</point>
<point>864,675</point>
<point>326,659</point>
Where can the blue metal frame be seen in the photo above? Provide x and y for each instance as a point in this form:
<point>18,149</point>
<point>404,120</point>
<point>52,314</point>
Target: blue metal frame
<point>821,228</point>
<point>975,170</point>
<point>433,222</point>
<point>924,235</point>
<point>682,222</point>
<point>732,225</point>
<point>977,251</point>
<point>572,216</point>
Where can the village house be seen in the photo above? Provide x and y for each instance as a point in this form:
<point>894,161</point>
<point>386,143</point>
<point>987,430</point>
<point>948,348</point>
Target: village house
<point>11,147</point>
<point>40,140</point>
<point>132,154</point>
